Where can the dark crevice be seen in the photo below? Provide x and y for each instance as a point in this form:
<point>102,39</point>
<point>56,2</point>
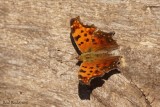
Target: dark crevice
<point>144,95</point>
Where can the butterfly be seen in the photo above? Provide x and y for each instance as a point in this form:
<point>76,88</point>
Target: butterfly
<point>95,47</point>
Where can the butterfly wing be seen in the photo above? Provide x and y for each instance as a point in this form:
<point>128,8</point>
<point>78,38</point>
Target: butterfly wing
<point>82,34</point>
<point>88,39</point>
<point>103,41</point>
<point>97,68</point>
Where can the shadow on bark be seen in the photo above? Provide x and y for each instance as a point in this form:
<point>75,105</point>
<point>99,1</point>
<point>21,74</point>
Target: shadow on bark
<point>84,91</point>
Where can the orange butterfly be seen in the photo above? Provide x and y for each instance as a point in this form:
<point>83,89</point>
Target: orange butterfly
<point>92,43</point>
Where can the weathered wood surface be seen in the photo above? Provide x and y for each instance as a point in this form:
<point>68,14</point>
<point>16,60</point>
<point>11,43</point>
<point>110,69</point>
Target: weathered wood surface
<point>37,60</point>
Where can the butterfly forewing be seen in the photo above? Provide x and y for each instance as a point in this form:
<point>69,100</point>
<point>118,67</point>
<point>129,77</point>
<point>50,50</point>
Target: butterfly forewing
<point>82,34</point>
<point>103,41</point>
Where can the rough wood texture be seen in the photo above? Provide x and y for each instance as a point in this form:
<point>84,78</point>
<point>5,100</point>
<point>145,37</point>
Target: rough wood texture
<point>37,59</point>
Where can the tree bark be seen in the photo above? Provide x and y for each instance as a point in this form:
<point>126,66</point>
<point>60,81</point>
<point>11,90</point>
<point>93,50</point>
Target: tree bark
<point>38,61</point>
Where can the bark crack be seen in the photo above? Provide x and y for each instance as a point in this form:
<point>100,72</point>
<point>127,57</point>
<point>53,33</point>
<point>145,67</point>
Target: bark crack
<point>143,94</point>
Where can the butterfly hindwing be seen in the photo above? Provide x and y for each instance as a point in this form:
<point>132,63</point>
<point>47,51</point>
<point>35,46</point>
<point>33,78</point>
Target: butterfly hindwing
<point>97,68</point>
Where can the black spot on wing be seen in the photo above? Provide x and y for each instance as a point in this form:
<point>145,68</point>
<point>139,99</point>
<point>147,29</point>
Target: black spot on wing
<point>84,66</point>
<point>91,67</point>
<point>82,31</point>
<point>81,70</point>
<point>82,42</point>
<point>87,40</point>
<point>77,37</point>
<point>93,40</point>
<point>91,71</point>
<point>85,34</point>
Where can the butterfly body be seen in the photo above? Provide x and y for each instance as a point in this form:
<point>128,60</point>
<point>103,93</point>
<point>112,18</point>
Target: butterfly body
<point>95,46</point>
<point>90,56</point>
